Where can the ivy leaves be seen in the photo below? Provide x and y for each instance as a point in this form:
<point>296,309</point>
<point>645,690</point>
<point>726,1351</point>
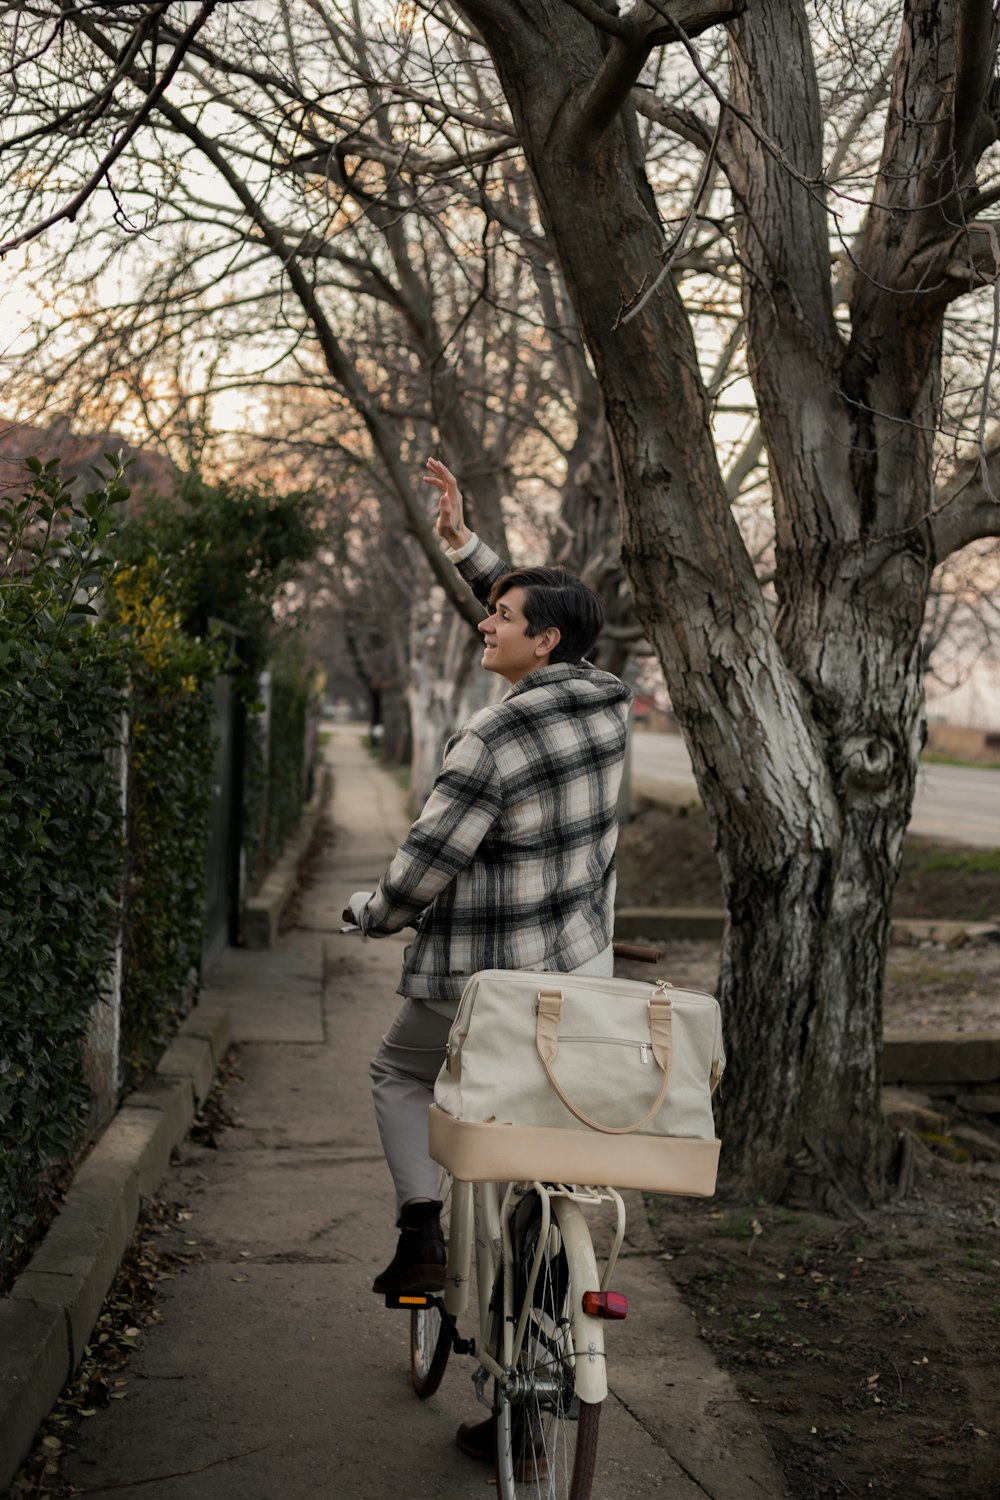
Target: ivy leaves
<point>108,654</point>
<point>63,676</point>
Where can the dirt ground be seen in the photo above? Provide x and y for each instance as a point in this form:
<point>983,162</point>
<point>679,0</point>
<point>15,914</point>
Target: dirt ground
<point>666,859</point>
<point>868,1347</point>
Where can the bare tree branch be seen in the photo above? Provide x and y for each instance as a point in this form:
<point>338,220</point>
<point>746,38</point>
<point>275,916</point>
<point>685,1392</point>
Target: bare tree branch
<point>675,250</point>
<point>967,507</point>
<point>684,123</point>
<point>72,208</point>
<point>650,24</point>
<point>606,19</point>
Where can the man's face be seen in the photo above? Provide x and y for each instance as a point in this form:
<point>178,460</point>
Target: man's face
<point>507,649</point>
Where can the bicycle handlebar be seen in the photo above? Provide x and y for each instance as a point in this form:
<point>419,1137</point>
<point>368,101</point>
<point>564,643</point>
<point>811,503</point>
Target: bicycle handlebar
<point>638,952</point>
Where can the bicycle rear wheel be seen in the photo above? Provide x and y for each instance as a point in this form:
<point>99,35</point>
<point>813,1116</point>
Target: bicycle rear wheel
<point>546,1436</point>
<point>430,1346</point>
<point>430,1336</point>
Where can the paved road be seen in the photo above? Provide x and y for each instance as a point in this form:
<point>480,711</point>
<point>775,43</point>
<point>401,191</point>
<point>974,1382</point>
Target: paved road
<point>952,802</point>
<point>957,802</point>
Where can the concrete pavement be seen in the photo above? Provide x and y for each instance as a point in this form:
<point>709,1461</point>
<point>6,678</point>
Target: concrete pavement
<point>275,1372</point>
<point>47,1318</point>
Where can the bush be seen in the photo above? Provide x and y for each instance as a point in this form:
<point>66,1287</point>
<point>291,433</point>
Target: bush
<point>62,693</point>
<point>72,878</point>
<point>287,770</point>
<point>227,552</point>
<point>169,803</point>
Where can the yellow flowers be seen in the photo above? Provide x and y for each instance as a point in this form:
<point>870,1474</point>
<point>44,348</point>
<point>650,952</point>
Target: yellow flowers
<point>154,624</point>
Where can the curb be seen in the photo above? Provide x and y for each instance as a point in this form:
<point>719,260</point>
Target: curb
<point>707,923</point>
<point>52,1308</point>
<point>262,913</point>
<point>678,795</point>
<point>693,923</point>
<point>943,1059</point>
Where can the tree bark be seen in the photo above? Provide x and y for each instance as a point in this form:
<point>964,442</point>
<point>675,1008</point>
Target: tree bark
<point>446,685</point>
<point>849,461</point>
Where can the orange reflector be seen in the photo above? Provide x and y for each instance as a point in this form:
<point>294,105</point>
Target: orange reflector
<point>413,1301</point>
<point>612,1305</point>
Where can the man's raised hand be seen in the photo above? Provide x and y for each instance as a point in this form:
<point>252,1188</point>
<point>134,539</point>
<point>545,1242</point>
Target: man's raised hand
<point>451,521</point>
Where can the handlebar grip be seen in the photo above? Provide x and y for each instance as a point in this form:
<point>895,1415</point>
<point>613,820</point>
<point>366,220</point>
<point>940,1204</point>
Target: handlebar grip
<point>637,951</point>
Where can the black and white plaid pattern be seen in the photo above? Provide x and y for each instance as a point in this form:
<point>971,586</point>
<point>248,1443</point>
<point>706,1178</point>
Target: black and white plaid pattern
<point>512,858</point>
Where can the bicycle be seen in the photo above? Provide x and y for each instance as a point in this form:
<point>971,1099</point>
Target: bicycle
<point>542,1306</point>
<point>541,1309</point>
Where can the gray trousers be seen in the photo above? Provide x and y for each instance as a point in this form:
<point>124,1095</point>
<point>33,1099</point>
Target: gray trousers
<point>403,1071</point>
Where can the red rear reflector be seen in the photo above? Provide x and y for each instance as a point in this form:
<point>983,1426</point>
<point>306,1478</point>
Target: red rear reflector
<point>605,1305</point>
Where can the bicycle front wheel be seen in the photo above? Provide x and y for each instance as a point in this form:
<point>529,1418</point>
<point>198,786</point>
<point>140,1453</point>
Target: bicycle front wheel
<point>546,1436</point>
<point>430,1335</point>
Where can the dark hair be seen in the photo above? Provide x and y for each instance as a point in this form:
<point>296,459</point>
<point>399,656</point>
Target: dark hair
<point>553,596</point>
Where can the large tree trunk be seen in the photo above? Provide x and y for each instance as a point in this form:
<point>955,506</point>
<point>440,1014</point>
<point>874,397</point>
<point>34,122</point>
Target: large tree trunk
<point>848,440</point>
<point>804,735</point>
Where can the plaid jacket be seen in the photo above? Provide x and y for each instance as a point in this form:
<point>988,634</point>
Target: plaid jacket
<point>512,860</point>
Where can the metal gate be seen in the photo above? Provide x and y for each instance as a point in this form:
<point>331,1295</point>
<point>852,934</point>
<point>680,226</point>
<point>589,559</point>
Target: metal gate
<point>222,882</point>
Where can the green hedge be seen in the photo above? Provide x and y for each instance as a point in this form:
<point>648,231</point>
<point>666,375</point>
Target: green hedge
<point>226,551</point>
<point>72,879</point>
<point>276,788</point>
<point>287,762</point>
<point>62,691</point>
<point>169,802</point>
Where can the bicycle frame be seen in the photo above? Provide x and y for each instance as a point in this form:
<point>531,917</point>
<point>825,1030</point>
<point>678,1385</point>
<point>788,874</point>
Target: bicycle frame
<point>480,1221</point>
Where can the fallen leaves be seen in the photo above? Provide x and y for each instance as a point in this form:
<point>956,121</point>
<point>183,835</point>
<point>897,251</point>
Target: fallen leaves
<point>828,1329</point>
<point>129,1309</point>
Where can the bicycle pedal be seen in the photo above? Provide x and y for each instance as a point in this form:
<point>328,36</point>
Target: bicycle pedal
<point>411,1299</point>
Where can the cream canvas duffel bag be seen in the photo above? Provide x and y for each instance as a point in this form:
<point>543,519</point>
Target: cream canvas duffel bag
<point>573,1078</point>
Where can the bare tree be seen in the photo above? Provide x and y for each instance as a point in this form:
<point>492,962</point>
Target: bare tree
<point>805,729</point>
<point>52,36</point>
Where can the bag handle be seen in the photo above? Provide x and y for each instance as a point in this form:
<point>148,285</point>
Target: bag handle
<point>547,1042</point>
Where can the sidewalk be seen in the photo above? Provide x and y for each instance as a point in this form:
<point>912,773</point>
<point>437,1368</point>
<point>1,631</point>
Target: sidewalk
<point>275,1372</point>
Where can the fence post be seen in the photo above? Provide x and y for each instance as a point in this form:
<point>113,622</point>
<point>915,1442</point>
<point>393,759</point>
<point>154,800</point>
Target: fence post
<point>102,1046</point>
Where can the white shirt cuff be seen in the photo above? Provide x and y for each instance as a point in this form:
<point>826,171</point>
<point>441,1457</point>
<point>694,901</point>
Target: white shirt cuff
<point>458,554</point>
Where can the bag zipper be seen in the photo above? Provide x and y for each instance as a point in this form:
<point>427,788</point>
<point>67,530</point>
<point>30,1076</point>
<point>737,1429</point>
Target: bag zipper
<point>612,1041</point>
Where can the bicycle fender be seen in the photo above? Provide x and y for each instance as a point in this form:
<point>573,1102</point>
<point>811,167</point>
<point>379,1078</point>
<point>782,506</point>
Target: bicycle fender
<point>588,1333</point>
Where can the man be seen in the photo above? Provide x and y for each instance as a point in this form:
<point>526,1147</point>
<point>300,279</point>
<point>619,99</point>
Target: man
<point>510,865</point>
